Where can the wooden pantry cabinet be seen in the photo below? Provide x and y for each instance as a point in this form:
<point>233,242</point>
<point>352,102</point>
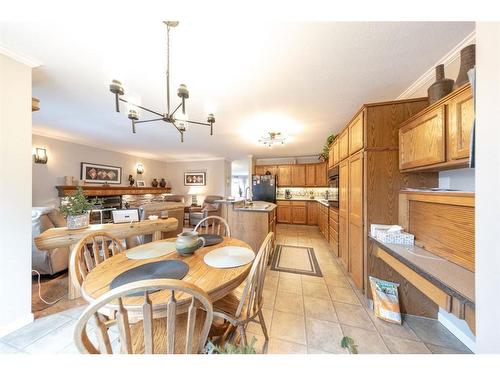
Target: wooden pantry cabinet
<point>438,137</point>
<point>370,180</point>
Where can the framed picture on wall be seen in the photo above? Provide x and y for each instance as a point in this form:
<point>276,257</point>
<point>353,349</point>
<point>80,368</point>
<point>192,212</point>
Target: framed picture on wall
<point>100,173</point>
<point>141,183</point>
<point>195,179</point>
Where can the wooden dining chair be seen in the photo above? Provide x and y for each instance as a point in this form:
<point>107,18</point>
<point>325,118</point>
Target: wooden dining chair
<point>213,225</point>
<point>180,329</point>
<point>244,305</point>
<point>89,252</point>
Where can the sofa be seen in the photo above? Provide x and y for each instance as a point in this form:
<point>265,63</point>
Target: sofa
<point>170,209</point>
<point>51,261</point>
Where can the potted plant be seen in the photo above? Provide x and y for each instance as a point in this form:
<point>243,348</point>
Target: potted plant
<point>326,148</point>
<point>76,208</point>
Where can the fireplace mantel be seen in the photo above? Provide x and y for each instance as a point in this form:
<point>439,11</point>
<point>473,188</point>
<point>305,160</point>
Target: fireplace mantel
<point>109,190</point>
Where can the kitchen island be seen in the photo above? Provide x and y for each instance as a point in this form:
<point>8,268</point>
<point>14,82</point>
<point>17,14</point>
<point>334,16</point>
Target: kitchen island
<point>249,222</point>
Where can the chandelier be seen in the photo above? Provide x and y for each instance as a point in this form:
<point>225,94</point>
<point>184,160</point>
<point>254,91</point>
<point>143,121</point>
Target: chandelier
<point>272,138</point>
<point>178,121</point>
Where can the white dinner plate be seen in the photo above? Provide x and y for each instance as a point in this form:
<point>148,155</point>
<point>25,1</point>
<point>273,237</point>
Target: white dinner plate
<point>229,257</point>
<point>153,250</point>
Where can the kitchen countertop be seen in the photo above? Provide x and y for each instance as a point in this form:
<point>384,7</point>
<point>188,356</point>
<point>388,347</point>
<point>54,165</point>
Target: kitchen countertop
<point>448,276</point>
<point>257,206</point>
<point>322,201</point>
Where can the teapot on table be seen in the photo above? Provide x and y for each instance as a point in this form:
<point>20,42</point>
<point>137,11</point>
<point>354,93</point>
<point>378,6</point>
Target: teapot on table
<point>188,242</point>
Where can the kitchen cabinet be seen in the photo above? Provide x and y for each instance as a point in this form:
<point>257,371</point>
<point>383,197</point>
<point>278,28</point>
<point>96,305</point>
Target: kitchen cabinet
<point>344,144</point>
<point>438,137</point>
<point>323,220</point>
<point>334,230</point>
<point>355,221</point>
<point>284,212</point>
<point>461,119</point>
<point>422,141</point>
<point>263,169</point>
<point>311,175</point>
<point>321,175</point>
<point>331,160</point>
<point>343,213</point>
<point>299,212</point>
<point>312,213</point>
<point>356,134</point>
<point>298,175</point>
<point>284,175</point>
<point>336,156</point>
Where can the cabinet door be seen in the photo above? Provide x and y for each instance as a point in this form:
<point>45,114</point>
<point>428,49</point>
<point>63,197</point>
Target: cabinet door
<point>356,134</point>
<point>260,169</point>
<point>310,174</point>
<point>298,175</point>
<point>284,175</point>
<point>356,219</point>
<point>321,178</point>
<point>336,156</point>
<point>422,141</point>
<point>312,213</point>
<point>344,145</point>
<point>330,158</point>
<point>461,118</point>
<point>283,213</point>
<point>299,213</point>
<point>343,211</point>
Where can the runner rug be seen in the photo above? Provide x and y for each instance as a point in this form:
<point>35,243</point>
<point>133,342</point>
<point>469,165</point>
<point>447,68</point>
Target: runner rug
<point>295,259</point>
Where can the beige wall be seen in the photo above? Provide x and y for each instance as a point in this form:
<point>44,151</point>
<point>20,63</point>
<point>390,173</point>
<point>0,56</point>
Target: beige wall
<point>488,186</point>
<point>64,159</point>
<point>217,177</point>
<point>15,195</point>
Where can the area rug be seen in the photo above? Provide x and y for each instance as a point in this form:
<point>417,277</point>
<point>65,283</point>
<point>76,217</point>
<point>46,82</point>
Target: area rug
<point>295,259</point>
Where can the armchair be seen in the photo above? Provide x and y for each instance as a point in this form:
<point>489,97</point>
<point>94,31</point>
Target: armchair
<point>208,208</point>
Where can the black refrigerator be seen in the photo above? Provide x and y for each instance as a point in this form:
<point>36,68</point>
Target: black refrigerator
<point>264,188</point>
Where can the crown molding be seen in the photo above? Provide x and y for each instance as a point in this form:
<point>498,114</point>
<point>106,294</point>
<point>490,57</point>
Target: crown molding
<point>32,63</point>
<point>426,79</point>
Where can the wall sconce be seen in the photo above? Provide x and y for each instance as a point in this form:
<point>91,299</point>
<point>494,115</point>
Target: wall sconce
<point>139,168</point>
<point>40,156</point>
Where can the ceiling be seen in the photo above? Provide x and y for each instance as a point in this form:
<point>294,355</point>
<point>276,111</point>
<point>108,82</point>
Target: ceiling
<point>305,79</point>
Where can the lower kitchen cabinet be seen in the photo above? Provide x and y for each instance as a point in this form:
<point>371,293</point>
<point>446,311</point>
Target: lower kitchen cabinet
<point>284,212</point>
<point>312,213</point>
<point>299,212</point>
<point>292,212</point>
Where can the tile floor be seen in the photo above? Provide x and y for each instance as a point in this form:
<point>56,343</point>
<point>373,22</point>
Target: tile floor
<point>304,314</point>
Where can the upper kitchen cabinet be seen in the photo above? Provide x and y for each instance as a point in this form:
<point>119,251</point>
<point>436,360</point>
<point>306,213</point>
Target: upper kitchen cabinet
<point>461,118</point>
<point>344,144</point>
<point>321,175</point>
<point>331,159</point>
<point>335,148</point>
<point>284,175</point>
<point>356,131</point>
<point>310,175</point>
<point>438,137</point>
<point>298,175</point>
<point>263,169</point>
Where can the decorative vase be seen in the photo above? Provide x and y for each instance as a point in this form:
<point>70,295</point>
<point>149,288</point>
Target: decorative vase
<point>78,221</point>
<point>188,242</point>
<point>131,180</point>
<point>163,183</point>
<point>154,183</point>
<point>467,62</point>
<point>440,88</point>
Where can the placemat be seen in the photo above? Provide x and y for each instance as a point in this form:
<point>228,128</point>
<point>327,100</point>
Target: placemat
<point>153,250</point>
<point>165,269</point>
<point>229,257</point>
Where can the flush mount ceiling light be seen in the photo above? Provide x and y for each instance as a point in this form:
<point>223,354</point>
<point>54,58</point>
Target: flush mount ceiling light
<point>179,121</point>
<point>272,138</point>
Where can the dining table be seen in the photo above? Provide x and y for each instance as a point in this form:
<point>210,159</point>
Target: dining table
<point>216,282</point>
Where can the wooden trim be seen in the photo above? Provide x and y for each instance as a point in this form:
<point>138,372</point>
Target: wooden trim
<point>442,299</point>
<point>101,191</point>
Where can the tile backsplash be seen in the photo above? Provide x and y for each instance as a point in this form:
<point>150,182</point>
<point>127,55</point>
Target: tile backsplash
<point>306,193</point>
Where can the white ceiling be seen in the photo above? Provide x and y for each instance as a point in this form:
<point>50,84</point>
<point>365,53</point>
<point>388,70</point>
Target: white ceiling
<point>306,79</point>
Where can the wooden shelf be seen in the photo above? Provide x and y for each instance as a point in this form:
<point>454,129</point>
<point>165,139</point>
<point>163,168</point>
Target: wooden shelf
<point>102,191</point>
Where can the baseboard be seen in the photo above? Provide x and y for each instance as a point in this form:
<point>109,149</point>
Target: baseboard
<point>16,324</point>
<point>458,328</point>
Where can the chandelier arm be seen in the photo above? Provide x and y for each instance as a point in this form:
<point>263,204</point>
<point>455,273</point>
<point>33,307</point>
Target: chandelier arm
<point>143,121</point>
<point>141,107</point>
<point>197,123</point>
<point>175,110</point>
